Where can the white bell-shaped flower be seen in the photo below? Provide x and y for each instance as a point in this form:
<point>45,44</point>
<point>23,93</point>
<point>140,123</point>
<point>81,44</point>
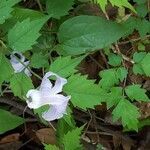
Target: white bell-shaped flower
<point>49,95</point>
<point>18,67</point>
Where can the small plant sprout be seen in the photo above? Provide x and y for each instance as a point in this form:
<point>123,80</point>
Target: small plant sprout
<point>49,95</point>
<point>18,65</point>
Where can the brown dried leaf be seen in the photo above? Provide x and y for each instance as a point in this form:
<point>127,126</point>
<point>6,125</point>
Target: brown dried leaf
<point>10,138</point>
<point>46,135</point>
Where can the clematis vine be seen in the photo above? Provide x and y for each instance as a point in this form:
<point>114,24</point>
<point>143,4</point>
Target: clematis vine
<point>18,67</point>
<point>47,94</point>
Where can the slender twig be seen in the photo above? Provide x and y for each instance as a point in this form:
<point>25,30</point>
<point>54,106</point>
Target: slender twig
<point>40,5</point>
<point>94,60</point>
<point>16,104</point>
<point>117,50</point>
<point>133,40</point>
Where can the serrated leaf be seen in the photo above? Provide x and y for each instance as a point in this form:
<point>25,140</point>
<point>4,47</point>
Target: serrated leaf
<point>84,93</point>
<point>122,3</point>
<point>141,25</point>
<point>6,9</point>
<point>135,92</point>
<point>38,60</point>
<point>137,69</point>
<point>71,140</point>
<point>146,64</point>
<point>114,60</point>
<point>121,73</point>
<point>24,34</point>
<point>102,3</point>
<point>128,113</point>
<point>111,77</point>
<point>21,14</point>
<point>58,8</point>
<point>65,66</point>
<point>138,57</point>
<point>50,147</point>
<point>142,10</point>
<point>9,121</point>
<point>20,83</point>
<point>118,3</point>
<point>83,34</point>
<point>114,97</point>
<point>6,69</point>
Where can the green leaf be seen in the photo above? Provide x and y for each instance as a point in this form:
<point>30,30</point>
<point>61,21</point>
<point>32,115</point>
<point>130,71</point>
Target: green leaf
<point>137,69</point>
<point>9,121</point>
<point>24,34</point>
<point>71,140</point>
<point>50,147</point>
<point>118,3</point>
<point>84,93</point>
<point>114,97</point>
<point>20,83</point>
<point>21,14</point>
<point>65,66</point>
<point>58,8</point>
<point>114,60</point>
<point>111,77</point>
<point>68,118</point>
<point>135,92</point>
<point>38,60</point>
<point>144,122</point>
<point>138,57</point>
<point>6,69</point>
<point>62,128</point>
<point>128,113</point>
<point>6,9</point>
<point>122,3</point>
<point>83,34</point>
<point>142,10</point>
<point>103,4</point>
<point>146,64</point>
<point>141,25</point>
<point>121,73</point>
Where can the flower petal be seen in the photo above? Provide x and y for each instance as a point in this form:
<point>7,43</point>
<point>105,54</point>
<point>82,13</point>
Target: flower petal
<point>18,67</point>
<point>34,99</point>
<point>46,85</point>
<point>58,84</point>
<point>55,112</point>
<point>13,58</point>
<point>37,99</point>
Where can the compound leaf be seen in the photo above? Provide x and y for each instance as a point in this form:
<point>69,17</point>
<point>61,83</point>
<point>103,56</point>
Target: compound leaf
<point>135,92</point>
<point>65,66</point>
<point>84,93</point>
<point>71,140</point>
<point>128,113</point>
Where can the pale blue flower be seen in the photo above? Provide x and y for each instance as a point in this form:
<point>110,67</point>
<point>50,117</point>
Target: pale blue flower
<point>49,95</point>
<point>18,67</point>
